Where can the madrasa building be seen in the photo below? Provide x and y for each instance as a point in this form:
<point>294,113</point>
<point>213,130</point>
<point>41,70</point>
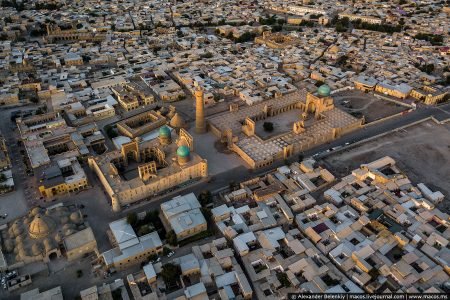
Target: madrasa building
<point>301,120</point>
<point>141,169</point>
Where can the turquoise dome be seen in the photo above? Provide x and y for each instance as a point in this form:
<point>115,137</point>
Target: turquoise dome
<point>324,90</point>
<point>164,131</point>
<point>183,151</point>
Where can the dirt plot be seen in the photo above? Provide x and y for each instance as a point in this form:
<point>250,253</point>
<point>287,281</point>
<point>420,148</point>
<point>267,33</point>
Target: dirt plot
<point>360,104</point>
<point>422,152</point>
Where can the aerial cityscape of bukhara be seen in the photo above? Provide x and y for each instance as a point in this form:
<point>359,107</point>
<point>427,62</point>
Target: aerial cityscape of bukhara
<point>224,149</point>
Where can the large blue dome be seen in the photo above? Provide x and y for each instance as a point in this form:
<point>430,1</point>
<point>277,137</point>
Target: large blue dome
<point>183,151</point>
<point>164,131</point>
<point>324,90</point>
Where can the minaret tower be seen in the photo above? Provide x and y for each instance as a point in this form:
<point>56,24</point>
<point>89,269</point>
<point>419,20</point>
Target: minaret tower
<point>200,124</point>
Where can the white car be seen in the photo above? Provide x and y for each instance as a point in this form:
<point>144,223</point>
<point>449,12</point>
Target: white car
<point>170,254</point>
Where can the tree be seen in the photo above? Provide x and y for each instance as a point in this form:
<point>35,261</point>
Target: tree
<point>165,251</point>
<point>143,230</point>
<point>170,273</point>
<point>153,257</point>
<point>283,278</point>
<point>345,21</point>
<point>268,126</point>
<point>277,28</point>
<point>132,219</point>
<point>205,197</point>
<point>34,99</point>
<point>374,273</point>
<point>117,294</point>
<point>233,185</point>
<point>246,37</point>
<point>2,177</point>
<point>207,55</point>
<point>340,27</point>
<point>40,111</point>
<point>151,217</point>
<point>110,132</point>
<point>206,213</point>
<point>171,238</point>
<point>429,68</point>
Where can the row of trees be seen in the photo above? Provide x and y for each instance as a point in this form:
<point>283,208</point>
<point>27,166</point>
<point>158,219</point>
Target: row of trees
<point>245,37</point>
<point>271,20</point>
<point>342,25</point>
<point>20,6</point>
<point>13,3</point>
<point>427,68</point>
<point>377,27</point>
<point>434,39</point>
<point>47,6</point>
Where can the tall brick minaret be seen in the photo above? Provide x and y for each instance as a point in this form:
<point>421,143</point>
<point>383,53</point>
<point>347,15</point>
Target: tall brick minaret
<point>200,124</point>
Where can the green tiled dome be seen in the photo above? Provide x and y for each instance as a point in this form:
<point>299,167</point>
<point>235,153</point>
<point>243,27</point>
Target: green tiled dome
<point>183,151</point>
<point>164,131</point>
<point>324,90</point>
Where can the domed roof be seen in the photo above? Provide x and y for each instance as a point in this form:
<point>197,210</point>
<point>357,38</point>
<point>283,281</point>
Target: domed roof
<point>40,227</point>
<point>49,244</point>
<point>177,121</point>
<point>68,232</point>
<point>36,249</point>
<point>68,226</point>
<point>75,217</point>
<point>58,237</point>
<point>183,151</point>
<point>16,229</point>
<point>63,220</point>
<point>324,90</point>
<point>9,245</point>
<point>35,211</point>
<point>164,131</point>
